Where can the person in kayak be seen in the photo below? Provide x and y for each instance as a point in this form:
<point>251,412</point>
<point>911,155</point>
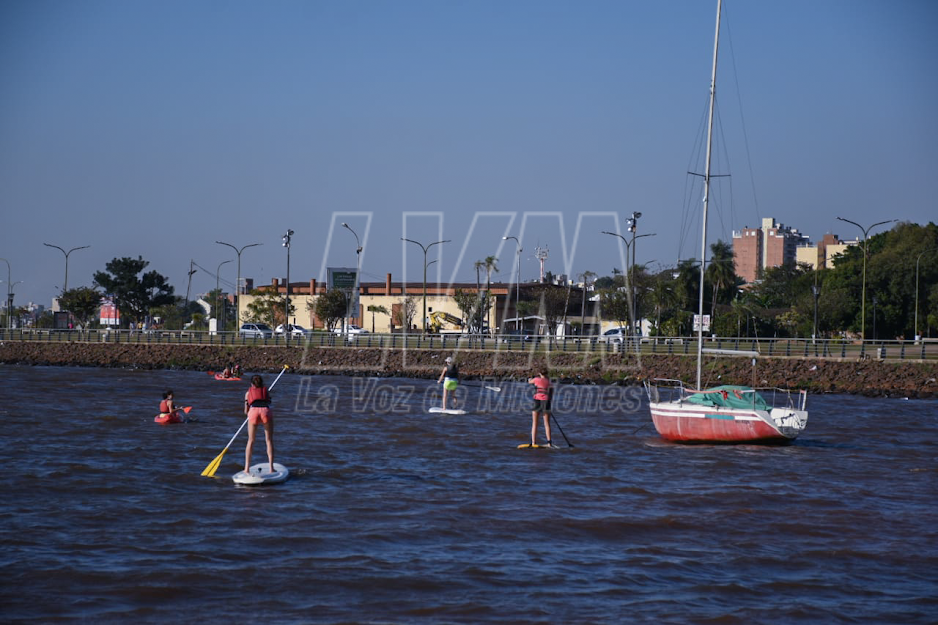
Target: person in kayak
<point>257,409</point>
<point>542,397</point>
<point>450,379</point>
<point>168,408</point>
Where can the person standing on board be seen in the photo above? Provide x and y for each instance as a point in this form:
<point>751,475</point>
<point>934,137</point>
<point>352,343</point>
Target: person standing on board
<point>542,396</point>
<point>168,409</point>
<point>257,408</point>
<point>450,379</point>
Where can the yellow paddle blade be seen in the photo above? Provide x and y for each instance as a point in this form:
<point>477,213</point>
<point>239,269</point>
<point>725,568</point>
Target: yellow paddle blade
<point>214,464</point>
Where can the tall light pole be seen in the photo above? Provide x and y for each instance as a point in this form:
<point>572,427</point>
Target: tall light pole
<point>9,289</point>
<point>866,232</point>
<point>65,284</point>
<point>286,305</point>
<point>816,290</point>
<point>238,283</point>
<point>358,270</point>
<point>425,248</point>
<point>518,281</point>
<point>628,279</point>
<point>218,293</point>
<point>189,285</point>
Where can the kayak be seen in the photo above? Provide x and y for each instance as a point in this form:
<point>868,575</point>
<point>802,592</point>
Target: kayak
<point>219,376</point>
<point>173,417</point>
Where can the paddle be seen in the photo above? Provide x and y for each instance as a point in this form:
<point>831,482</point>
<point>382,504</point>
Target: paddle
<point>214,464</point>
<point>496,389</point>
<point>561,429</point>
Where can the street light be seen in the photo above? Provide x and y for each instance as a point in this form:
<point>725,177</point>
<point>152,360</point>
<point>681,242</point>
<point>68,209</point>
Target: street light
<point>628,278</point>
<point>238,283</point>
<point>816,290</point>
<point>934,249</point>
<point>286,306</point>
<point>874,318</point>
<point>65,284</point>
<point>425,248</point>
<point>358,269</point>
<point>518,282</point>
<point>8,290</point>
<point>866,232</point>
<point>218,293</point>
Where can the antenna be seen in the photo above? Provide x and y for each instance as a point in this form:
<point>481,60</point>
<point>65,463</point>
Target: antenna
<point>540,253</point>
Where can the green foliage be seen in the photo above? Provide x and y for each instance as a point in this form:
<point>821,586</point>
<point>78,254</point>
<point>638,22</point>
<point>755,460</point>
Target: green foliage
<point>134,295</point>
<point>472,305</point>
<point>614,304</point>
<point>330,307</point>
<point>267,307</point>
<point>83,303</point>
<point>374,309</point>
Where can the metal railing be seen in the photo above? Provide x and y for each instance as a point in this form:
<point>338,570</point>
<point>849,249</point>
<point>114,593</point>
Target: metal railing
<point>842,349</point>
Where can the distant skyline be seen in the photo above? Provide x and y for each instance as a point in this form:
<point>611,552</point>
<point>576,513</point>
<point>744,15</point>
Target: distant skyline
<point>154,129</point>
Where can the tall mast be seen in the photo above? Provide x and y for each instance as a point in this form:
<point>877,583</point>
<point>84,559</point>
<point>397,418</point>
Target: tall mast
<point>706,198</point>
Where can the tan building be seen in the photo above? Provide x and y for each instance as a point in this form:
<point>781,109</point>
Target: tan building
<point>821,255</point>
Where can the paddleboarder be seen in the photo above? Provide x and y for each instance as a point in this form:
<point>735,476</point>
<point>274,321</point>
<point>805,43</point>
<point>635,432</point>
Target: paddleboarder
<point>257,409</point>
<point>450,379</point>
<point>542,396</point>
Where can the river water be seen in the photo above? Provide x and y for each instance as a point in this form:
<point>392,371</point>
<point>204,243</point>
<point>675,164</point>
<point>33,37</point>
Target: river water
<point>395,515</point>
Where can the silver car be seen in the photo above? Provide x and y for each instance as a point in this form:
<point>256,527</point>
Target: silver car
<point>256,330</point>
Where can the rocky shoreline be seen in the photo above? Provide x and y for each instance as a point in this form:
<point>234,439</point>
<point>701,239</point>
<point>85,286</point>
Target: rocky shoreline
<point>914,379</point>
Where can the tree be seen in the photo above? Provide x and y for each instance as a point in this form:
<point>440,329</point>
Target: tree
<point>404,316</point>
<point>331,307</point>
<point>552,300</point>
<point>374,308</point>
<point>491,264</point>
<point>614,304</point>
<point>83,303</point>
<point>134,295</point>
<point>267,307</point>
<point>662,297</point>
<point>721,272</point>
<point>472,306</point>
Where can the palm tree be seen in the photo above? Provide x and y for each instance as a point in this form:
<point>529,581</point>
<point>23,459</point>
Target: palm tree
<point>663,297</point>
<point>491,264</point>
<point>721,272</point>
<point>374,308</point>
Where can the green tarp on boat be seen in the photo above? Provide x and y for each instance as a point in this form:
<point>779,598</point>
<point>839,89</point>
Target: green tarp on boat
<point>729,396</point>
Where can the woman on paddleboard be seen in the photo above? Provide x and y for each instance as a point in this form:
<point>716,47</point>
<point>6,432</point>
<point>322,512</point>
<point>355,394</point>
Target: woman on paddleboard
<point>257,408</point>
<point>450,379</point>
<point>542,393</point>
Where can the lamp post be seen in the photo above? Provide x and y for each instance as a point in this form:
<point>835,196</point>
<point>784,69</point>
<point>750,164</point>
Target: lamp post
<point>816,290</point>
<point>934,249</point>
<point>238,283</point>
<point>358,269</point>
<point>9,289</point>
<point>425,248</point>
<point>286,305</point>
<point>866,232</point>
<point>65,284</point>
<point>218,293</point>
<point>518,281</point>
<point>628,277</point>
<point>874,318</point>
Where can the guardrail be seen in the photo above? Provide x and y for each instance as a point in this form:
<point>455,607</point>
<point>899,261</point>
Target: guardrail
<point>926,349</point>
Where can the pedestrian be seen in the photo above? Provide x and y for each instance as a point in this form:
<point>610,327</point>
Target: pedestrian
<point>257,408</point>
<point>450,379</point>
<point>542,397</point>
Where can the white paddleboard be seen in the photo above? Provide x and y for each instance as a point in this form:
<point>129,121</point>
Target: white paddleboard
<point>438,410</point>
<point>261,474</point>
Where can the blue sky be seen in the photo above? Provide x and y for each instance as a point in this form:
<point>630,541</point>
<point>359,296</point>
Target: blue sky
<point>156,128</point>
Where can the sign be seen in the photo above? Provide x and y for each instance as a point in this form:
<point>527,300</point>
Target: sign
<point>706,323</point>
<point>344,279</point>
<point>110,316</point>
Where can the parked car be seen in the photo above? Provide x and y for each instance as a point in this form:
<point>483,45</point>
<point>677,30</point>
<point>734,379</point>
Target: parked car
<point>353,331</point>
<point>293,329</point>
<point>613,335</point>
<point>256,330</point>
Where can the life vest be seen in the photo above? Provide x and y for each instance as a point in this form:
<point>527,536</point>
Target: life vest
<point>541,385</point>
<point>452,371</point>
<point>164,407</point>
<point>258,397</point>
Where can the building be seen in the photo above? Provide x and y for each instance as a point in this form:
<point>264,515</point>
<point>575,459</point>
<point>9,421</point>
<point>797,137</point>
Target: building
<point>771,245</point>
<point>821,256</point>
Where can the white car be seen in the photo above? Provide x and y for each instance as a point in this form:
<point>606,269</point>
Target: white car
<point>613,335</point>
<point>294,330</point>
<point>352,330</point>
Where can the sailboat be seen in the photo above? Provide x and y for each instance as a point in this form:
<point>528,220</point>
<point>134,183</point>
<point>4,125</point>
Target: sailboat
<point>726,413</point>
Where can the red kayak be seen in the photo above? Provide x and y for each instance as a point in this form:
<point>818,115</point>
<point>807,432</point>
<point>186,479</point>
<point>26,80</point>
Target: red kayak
<point>170,418</point>
<point>219,376</point>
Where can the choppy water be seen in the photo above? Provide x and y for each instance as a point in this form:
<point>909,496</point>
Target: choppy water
<point>395,515</point>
